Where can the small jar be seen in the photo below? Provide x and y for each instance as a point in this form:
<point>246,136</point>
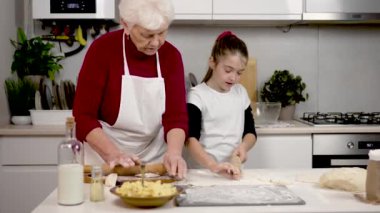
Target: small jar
<point>97,186</point>
<point>373,176</point>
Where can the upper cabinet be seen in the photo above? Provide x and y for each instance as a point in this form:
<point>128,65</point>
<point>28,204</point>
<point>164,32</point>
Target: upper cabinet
<point>342,10</point>
<point>276,10</point>
<point>192,10</point>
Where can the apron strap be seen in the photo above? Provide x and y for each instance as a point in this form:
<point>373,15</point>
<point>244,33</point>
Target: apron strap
<point>126,70</point>
<point>158,66</point>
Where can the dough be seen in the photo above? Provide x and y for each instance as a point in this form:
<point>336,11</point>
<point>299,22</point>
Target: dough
<point>348,179</point>
<point>148,175</point>
<point>111,180</point>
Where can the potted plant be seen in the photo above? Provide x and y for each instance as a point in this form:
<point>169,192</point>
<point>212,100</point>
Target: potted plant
<point>286,88</point>
<point>21,95</point>
<point>34,57</point>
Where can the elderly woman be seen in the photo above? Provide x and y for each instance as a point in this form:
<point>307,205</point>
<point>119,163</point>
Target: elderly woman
<point>130,103</point>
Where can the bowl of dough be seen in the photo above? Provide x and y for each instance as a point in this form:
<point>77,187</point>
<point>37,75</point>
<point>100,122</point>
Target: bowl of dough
<point>151,194</point>
<point>266,112</point>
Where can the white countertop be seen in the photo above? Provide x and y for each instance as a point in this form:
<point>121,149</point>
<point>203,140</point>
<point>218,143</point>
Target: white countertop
<point>301,182</point>
<point>291,127</point>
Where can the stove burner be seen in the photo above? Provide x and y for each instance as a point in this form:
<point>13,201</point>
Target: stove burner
<point>342,118</point>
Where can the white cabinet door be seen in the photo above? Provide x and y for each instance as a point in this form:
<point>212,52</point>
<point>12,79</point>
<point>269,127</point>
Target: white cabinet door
<point>257,9</point>
<point>28,173</point>
<point>31,150</point>
<point>281,151</point>
<point>24,187</point>
<point>193,9</point>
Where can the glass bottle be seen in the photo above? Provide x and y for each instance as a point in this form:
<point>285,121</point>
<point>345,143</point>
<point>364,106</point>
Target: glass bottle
<point>70,167</point>
<point>97,186</point>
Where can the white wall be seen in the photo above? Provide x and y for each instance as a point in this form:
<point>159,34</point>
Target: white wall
<point>340,64</point>
<point>8,30</point>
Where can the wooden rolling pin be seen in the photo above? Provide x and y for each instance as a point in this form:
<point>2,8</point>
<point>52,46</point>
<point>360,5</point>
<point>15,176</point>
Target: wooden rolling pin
<point>157,168</point>
<point>235,160</point>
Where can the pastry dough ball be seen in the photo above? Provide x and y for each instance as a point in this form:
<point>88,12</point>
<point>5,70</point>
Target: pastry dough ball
<point>347,179</point>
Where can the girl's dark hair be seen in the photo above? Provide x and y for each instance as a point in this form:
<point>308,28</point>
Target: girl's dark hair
<point>226,43</point>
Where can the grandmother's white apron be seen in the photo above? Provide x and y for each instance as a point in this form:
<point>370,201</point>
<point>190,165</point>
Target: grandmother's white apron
<point>138,128</point>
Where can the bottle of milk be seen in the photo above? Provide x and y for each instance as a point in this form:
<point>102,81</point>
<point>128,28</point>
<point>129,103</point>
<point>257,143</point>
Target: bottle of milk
<point>70,168</point>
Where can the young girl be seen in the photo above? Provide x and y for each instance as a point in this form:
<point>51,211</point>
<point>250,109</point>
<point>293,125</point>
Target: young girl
<point>221,125</point>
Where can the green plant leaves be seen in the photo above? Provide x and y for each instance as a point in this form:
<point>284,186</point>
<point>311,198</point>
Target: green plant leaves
<point>34,57</point>
<point>284,87</point>
<point>20,94</point>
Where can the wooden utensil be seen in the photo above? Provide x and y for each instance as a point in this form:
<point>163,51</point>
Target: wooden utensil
<point>235,160</point>
<point>157,168</point>
<point>142,168</point>
<point>248,79</point>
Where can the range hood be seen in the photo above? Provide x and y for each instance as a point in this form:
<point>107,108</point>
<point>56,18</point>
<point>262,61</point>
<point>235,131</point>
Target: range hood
<point>341,11</point>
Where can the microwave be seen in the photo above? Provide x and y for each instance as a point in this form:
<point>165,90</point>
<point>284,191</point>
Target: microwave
<point>73,9</point>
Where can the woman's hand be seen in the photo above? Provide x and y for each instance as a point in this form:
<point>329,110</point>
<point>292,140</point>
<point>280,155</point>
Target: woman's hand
<point>123,159</point>
<point>175,164</point>
<point>226,170</point>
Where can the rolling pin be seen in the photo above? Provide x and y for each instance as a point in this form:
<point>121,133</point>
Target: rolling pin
<point>235,160</point>
<point>157,168</point>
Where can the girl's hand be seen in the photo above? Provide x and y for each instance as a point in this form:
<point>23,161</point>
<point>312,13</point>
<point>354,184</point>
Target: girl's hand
<point>241,152</point>
<point>227,170</point>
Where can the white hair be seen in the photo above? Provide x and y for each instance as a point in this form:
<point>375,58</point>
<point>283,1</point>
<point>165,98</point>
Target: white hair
<point>149,14</point>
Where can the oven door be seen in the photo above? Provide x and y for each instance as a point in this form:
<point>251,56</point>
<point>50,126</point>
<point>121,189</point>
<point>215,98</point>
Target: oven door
<point>343,150</point>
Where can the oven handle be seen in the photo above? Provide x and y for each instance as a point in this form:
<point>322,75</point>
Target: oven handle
<point>348,162</point>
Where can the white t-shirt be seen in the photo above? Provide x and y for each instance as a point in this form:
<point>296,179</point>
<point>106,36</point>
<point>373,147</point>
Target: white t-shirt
<point>222,119</point>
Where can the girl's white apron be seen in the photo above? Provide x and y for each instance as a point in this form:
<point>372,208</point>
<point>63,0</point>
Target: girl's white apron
<point>138,128</point>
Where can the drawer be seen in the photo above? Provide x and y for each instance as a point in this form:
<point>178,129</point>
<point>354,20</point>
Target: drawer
<point>29,150</point>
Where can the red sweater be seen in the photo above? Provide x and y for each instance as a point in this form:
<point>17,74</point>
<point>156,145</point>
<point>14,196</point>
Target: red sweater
<point>98,89</point>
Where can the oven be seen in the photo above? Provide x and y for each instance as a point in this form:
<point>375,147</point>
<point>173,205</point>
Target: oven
<point>342,150</point>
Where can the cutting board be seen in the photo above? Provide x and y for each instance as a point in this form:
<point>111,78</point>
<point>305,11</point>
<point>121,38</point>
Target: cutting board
<point>237,195</point>
<point>248,79</point>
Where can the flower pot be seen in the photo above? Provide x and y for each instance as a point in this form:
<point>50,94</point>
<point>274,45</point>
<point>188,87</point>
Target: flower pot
<point>21,120</point>
<point>287,113</point>
<point>49,117</point>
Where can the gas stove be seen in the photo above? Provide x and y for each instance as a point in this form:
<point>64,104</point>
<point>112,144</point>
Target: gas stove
<point>340,118</point>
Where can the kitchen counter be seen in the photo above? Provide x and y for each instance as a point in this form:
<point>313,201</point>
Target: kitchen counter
<point>300,182</point>
<point>297,127</point>
<point>288,127</point>
<point>27,130</point>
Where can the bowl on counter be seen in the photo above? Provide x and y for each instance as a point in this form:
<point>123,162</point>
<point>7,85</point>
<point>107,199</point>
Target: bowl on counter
<point>266,113</point>
<point>152,194</point>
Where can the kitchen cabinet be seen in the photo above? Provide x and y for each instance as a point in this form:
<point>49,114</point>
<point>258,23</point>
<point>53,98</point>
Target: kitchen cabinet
<point>257,10</point>
<point>28,171</point>
<point>281,151</point>
<point>342,10</point>
<point>192,9</point>
<point>342,6</point>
